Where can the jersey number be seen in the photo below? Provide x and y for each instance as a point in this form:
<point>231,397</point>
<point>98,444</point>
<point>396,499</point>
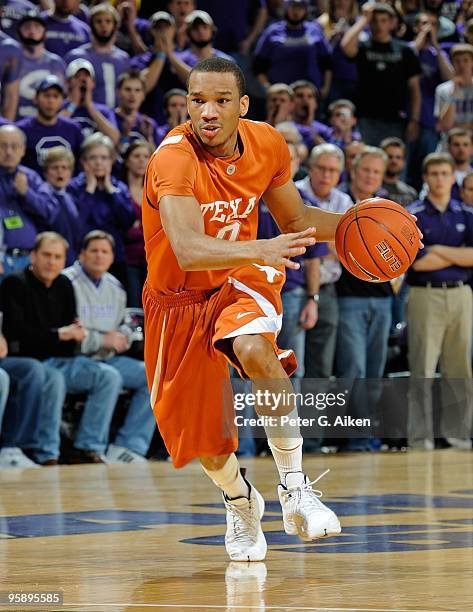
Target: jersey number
<point>229,232</point>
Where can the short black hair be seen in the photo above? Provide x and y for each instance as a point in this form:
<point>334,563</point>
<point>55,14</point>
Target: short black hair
<point>222,65</point>
<point>97,235</point>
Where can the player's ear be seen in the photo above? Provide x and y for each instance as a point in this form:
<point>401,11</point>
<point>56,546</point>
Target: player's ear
<point>244,105</point>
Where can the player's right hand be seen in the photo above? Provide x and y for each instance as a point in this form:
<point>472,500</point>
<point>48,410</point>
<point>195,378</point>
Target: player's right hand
<point>278,251</point>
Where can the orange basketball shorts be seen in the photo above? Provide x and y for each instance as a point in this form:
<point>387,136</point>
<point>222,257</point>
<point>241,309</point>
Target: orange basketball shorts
<point>188,345</point>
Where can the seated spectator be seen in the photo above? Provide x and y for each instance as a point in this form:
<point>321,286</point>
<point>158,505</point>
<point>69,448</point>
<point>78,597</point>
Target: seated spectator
<point>436,69</point>
<point>460,147</point>
<point>103,201</point>
<point>175,107</point>
<point>26,386</point>
<point>466,192</point>
<point>396,190</point>
<point>40,318</point>
<point>37,63</point>
<point>342,120</point>
<point>351,151</point>
<point>439,309</point>
<point>22,209</point>
<point>161,66</point>
<point>364,307</point>
<point>135,160</point>
<point>454,99</point>
<point>293,49</point>
<point>292,136</point>
<point>80,106</point>
<point>64,218</point>
<point>132,124</point>
<point>279,103</point>
<point>64,31</point>
<point>305,106</point>
<point>319,189</point>
<point>101,303</point>
<point>335,21</point>
<point>201,32</point>
<point>48,128</point>
<point>238,23</point>
<point>109,61</point>
<point>11,58</point>
<point>387,70</point>
<point>300,292</point>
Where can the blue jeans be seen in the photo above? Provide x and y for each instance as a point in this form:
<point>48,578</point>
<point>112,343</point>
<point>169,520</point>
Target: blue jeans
<point>103,384</point>
<point>35,402</point>
<point>292,335</point>
<point>138,429</point>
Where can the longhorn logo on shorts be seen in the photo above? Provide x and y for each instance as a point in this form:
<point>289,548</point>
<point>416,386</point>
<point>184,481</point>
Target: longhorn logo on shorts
<point>270,272</point>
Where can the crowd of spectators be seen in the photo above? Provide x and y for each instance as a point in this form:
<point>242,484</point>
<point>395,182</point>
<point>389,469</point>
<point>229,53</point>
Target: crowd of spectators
<point>374,99</point>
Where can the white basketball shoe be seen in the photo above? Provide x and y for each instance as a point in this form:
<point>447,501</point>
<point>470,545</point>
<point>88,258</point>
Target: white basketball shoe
<point>244,538</point>
<point>303,512</point>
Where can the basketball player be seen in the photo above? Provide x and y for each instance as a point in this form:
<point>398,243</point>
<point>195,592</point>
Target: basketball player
<point>212,297</point>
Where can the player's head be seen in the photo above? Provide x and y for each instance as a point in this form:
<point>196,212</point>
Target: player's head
<point>216,100</point>
<point>438,172</point>
<point>460,145</point>
<point>48,256</point>
<point>58,166</point>
<point>97,253</point>
<point>467,189</point>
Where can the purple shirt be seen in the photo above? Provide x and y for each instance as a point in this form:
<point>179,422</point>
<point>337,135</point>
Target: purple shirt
<point>431,77</point>
<point>40,137</point>
<point>355,135</point>
<point>293,54</point>
<point>110,212</point>
<point>232,20</point>
<point>135,242</point>
<point>31,208</point>
<point>12,11</point>
<point>108,67</point>
<point>453,227</point>
<point>191,60</point>
<point>138,130</point>
<point>308,132</point>
<point>267,228</point>
<point>11,58</point>
<point>87,125</point>
<point>32,72</point>
<point>64,35</point>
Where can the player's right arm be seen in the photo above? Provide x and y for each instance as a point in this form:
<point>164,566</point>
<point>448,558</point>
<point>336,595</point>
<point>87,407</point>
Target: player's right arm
<point>195,250</point>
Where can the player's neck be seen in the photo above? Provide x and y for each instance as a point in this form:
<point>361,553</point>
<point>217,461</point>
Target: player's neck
<point>226,149</point>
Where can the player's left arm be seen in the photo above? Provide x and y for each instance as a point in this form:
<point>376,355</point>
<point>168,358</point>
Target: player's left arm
<point>292,215</point>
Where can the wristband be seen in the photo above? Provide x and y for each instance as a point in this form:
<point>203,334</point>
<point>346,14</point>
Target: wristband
<point>313,296</point>
<point>71,107</point>
<point>159,56</point>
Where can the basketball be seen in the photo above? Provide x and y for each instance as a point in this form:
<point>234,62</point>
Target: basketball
<point>377,240</point>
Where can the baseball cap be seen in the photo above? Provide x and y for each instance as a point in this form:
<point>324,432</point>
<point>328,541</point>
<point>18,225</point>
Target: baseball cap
<point>161,16</point>
<point>79,64</point>
<point>49,82</point>
<point>31,15</point>
<point>199,16</point>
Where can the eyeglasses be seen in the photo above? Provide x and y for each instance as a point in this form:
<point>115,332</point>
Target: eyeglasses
<point>14,146</point>
<point>324,169</point>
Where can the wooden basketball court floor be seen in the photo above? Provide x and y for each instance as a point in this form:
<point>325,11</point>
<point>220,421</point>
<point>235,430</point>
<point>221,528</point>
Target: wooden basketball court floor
<point>122,538</point>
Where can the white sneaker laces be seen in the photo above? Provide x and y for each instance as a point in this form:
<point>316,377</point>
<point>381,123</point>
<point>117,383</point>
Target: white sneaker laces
<point>244,522</point>
<point>307,496</point>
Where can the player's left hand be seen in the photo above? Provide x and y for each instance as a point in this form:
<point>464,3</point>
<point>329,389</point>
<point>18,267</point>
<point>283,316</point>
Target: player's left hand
<point>309,314</point>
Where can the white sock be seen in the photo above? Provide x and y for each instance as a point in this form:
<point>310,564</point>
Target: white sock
<point>229,479</point>
<point>287,453</point>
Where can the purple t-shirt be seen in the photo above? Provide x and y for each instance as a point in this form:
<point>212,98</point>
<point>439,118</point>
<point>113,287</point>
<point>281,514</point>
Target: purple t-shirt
<point>431,77</point>
<point>32,72</point>
<point>40,137</point>
<point>108,67</point>
<point>191,59</point>
<point>142,27</point>
<point>232,20</point>
<point>12,12</point>
<point>314,129</point>
<point>267,228</point>
<point>138,131</point>
<point>87,125</point>
<point>64,35</point>
<point>293,54</point>
<point>11,58</point>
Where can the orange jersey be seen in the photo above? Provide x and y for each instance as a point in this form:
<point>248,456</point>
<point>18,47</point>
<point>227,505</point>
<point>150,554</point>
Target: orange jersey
<point>227,190</point>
